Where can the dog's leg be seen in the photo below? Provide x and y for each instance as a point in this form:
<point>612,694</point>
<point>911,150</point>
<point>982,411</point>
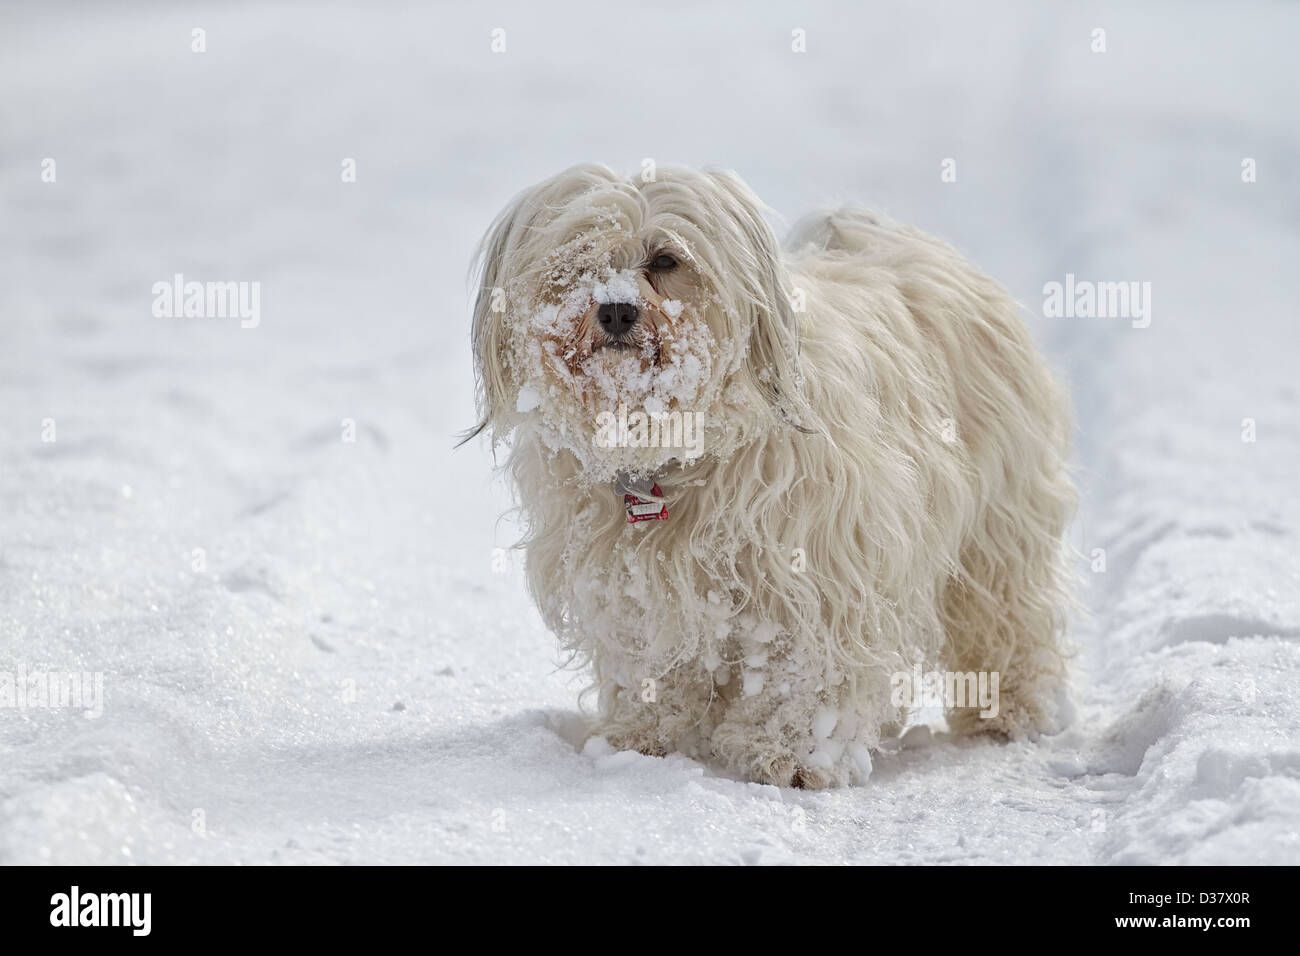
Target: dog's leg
<point>1005,614</point>
<point>658,715</point>
<point>799,727</point>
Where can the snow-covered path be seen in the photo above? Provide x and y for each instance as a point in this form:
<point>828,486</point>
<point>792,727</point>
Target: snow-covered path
<point>351,675</point>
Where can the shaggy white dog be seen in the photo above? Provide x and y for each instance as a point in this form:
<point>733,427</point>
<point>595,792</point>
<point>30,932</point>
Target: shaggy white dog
<point>763,488</point>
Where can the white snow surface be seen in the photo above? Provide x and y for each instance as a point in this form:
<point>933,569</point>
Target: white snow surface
<point>357,676</point>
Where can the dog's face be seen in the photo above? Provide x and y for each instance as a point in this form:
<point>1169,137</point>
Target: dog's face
<point>634,323</point>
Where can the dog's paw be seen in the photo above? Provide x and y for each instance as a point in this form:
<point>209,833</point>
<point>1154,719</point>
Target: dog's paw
<point>642,741</point>
<point>1015,720</point>
<point>777,769</point>
<point>816,778</point>
<point>780,766</point>
<point>786,770</point>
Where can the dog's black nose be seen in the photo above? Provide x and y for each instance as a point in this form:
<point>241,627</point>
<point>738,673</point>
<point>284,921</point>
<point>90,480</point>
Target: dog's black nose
<point>617,318</point>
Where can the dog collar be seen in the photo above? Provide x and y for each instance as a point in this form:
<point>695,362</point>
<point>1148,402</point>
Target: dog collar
<point>642,497</point>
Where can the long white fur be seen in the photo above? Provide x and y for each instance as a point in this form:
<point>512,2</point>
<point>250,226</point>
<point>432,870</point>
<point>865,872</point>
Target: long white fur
<point>834,532</point>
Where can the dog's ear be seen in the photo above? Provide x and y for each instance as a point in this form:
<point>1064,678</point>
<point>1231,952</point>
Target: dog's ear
<point>512,243</point>
<point>772,360</point>
<point>488,276</point>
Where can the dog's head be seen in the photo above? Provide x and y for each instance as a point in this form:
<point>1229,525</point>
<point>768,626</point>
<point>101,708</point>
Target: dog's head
<point>635,322</point>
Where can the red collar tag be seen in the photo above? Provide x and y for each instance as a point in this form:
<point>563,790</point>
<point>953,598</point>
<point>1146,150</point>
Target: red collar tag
<point>642,497</point>
<point>641,509</point>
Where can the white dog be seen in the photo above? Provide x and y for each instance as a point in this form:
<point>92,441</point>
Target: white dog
<point>853,457</point>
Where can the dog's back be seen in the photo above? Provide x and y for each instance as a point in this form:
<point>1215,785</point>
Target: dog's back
<point>906,339</point>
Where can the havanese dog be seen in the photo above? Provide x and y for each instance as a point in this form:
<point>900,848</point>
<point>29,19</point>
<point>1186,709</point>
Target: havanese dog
<point>764,488</point>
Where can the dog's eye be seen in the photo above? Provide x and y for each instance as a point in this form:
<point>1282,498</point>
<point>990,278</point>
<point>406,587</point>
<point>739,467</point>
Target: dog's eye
<point>663,262</point>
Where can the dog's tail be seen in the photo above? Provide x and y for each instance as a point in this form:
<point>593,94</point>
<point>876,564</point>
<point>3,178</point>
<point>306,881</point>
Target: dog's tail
<point>848,229</point>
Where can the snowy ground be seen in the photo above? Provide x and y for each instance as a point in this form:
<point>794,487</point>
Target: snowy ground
<point>349,680</point>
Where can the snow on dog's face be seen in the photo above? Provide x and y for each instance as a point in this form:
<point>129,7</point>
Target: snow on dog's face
<point>634,323</point>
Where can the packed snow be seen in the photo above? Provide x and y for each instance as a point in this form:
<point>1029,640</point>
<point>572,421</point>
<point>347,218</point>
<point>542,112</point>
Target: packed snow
<point>621,286</point>
<point>313,639</point>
